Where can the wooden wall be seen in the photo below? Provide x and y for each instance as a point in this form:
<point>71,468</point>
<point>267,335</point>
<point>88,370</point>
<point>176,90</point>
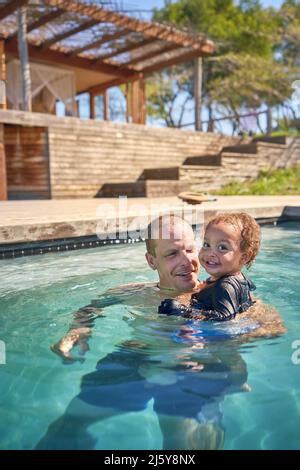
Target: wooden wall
<point>84,155</point>
<point>27,162</point>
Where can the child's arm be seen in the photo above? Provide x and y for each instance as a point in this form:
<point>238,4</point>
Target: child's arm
<point>225,304</point>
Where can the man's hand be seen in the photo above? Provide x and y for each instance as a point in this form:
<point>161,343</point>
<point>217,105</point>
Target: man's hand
<point>75,336</point>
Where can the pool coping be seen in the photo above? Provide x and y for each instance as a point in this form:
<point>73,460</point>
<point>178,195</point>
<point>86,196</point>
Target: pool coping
<point>38,227</point>
<point>15,250</point>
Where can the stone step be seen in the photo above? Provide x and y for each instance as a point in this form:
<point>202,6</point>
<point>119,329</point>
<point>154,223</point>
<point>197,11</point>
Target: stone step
<point>247,160</point>
<point>129,189</point>
<point>280,139</point>
<point>198,167</point>
<point>146,188</point>
<point>169,173</point>
<point>159,188</point>
<point>242,148</point>
<point>208,159</point>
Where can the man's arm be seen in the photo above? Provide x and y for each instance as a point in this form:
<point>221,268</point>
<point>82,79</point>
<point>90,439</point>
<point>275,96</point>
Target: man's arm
<point>81,327</point>
<point>79,332</point>
<point>269,321</point>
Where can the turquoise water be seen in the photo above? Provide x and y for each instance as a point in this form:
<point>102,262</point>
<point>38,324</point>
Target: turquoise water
<point>38,295</point>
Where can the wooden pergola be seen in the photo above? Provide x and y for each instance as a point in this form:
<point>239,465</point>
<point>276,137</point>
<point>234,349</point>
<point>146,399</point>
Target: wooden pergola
<point>103,47</point>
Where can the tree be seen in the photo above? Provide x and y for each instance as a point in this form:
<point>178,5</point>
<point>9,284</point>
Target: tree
<point>169,93</point>
<point>290,33</point>
<point>240,75</point>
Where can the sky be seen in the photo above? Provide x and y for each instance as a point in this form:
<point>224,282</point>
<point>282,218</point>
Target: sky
<point>149,4</point>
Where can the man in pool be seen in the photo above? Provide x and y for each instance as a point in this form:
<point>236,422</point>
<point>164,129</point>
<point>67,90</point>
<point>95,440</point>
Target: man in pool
<point>184,380</point>
<point>172,251</point>
<point>128,378</point>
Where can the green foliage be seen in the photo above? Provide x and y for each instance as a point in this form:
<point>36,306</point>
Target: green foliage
<point>256,57</point>
<point>249,81</point>
<point>272,182</point>
<point>290,32</point>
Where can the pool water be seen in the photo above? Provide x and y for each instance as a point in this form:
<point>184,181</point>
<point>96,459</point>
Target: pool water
<point>37,297</point>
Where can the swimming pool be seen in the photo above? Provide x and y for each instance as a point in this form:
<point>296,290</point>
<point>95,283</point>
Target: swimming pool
<point>165,356</point>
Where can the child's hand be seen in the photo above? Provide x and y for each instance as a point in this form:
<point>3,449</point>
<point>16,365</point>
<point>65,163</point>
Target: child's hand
<point>173,307</point>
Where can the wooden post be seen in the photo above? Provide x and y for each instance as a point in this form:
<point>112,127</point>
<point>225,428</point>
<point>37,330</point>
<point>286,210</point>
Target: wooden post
<point>135,102</point>
<point>23,53</point>
<point>143,103</point>
<point>3,180</point>
<point>105,102</point>
<point>198,93</point>
<point>128,102</point>
<point>2,76</point>
<point>92,106</point>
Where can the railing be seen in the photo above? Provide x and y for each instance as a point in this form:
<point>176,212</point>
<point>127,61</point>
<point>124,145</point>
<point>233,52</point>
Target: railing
<point>235,118</point>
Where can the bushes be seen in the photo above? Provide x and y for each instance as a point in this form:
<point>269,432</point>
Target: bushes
<point>271,182</point>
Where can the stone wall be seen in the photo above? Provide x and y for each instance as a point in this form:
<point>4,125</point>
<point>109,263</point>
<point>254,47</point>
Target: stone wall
<point>85,154</point>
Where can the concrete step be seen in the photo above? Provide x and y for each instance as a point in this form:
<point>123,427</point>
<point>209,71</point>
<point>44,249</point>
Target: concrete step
<point>241,156</point>
<point>280,139</point>
<point>169,173</point>
<point>203,168</point>
<point>242,148</point>
<point>130,189</point>
<point>161,188</point>
<point>208,159</point>
<point>146,188</point>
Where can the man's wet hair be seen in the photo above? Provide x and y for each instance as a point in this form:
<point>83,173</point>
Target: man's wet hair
<point>161,228</point>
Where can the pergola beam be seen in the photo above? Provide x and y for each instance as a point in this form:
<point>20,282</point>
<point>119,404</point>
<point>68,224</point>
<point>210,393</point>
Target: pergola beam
<point>154,30</point>
<point>40,22</point>
<point>100,89</point>
<point>44,20</point>
<point>67,34</point>
<point>105,38</point>
<point>11,7</point>
<point>150,55</point>
<point>127,48</point>
<point>184,57</point>
<point>65,59</point>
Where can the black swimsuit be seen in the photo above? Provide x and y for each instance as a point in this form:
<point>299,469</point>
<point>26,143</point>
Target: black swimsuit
<point>220,301</point>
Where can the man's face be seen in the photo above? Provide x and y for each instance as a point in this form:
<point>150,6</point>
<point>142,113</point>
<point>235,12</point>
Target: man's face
<point>176,260</point>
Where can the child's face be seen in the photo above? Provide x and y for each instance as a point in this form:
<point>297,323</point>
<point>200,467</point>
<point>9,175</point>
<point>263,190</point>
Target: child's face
<point>220,254</point>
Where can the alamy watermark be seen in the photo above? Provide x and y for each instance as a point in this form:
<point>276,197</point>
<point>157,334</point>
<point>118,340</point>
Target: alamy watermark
<point>296,354</point>
<point>2,352</point>
<point>123,221</point>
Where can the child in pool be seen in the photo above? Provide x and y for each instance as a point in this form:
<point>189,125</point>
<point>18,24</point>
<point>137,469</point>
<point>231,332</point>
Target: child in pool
<point>231,241</point>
